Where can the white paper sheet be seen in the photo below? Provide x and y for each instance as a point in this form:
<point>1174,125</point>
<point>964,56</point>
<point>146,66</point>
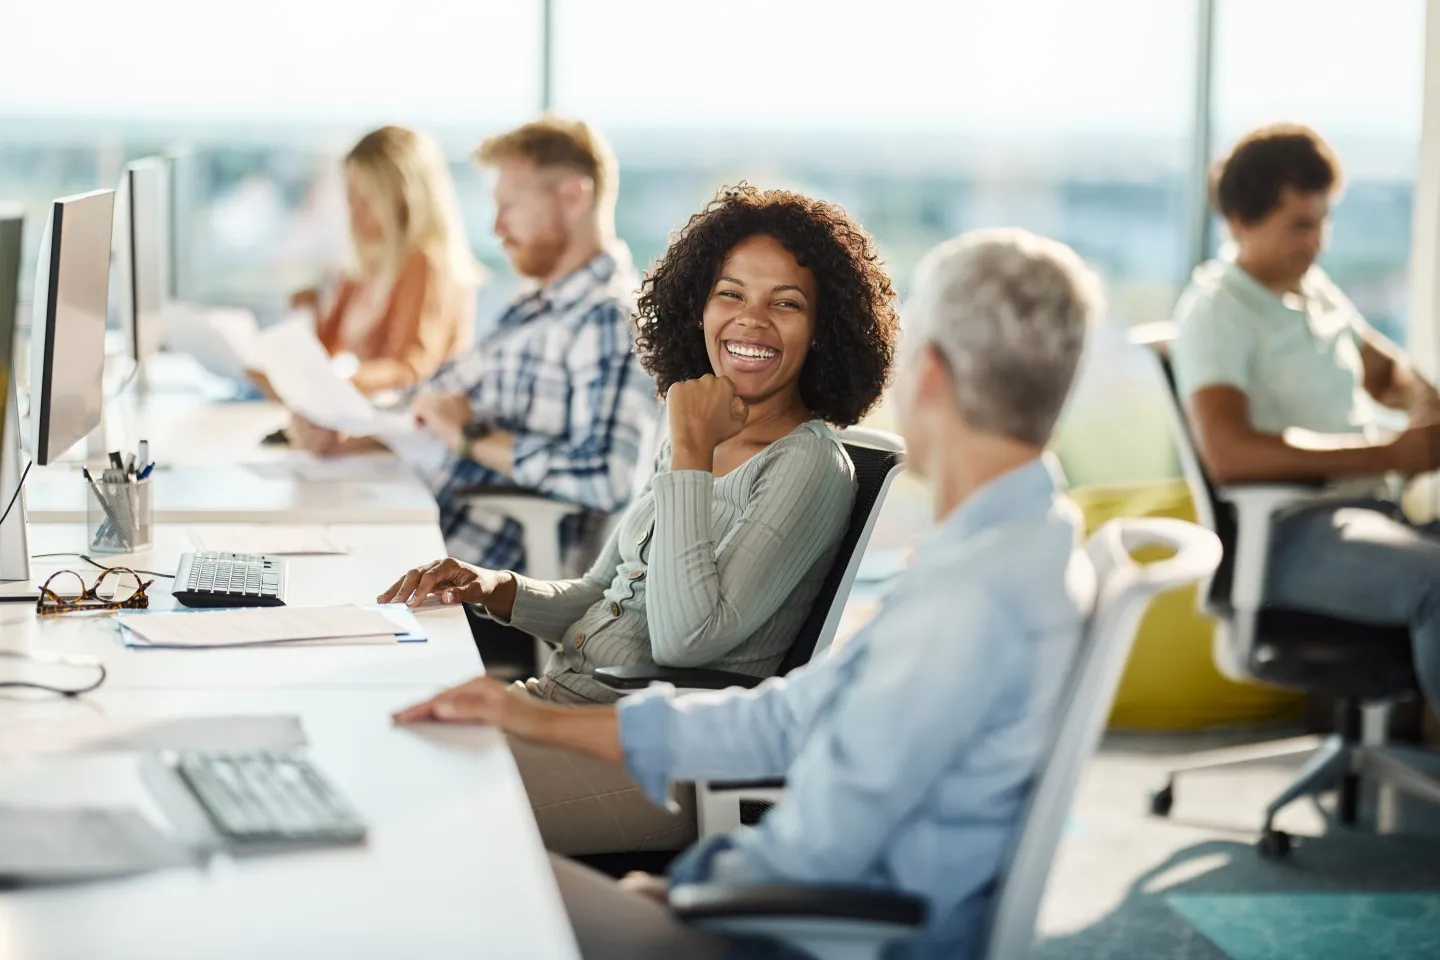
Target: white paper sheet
<point>301,375</point>
<point>304,378</point>
<point>422,450</point>
<point>221,339</point>
<point>216,628</point>
<point>273,539</point>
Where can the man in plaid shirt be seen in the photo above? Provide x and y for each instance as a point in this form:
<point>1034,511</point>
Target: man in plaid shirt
<point>555,399</point>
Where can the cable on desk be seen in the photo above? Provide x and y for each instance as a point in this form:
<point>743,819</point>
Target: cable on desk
<point>97,563</point>
<point>18,487</point>
<point>64,659</point>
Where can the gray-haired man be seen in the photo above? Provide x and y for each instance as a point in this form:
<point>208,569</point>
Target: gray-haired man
<point>908,751</point>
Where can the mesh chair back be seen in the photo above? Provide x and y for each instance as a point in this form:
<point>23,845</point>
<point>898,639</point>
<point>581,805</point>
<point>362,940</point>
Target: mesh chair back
<point>878,460</point>
<point>1214,514</point>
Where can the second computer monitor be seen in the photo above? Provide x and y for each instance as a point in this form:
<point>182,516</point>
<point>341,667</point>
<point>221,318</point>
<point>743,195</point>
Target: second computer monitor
<point>140,252</point>
<point>67,333</point>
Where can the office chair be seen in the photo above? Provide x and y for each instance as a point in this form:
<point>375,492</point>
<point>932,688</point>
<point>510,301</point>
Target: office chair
<point>837,922</point>
<point>879,458</point>
<point>1359,664</point>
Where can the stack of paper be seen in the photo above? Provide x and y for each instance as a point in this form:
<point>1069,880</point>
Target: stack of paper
<point>270,626</point>
<point>272,539</point>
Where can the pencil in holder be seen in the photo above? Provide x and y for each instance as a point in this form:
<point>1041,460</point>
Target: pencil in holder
<point>118,515</point>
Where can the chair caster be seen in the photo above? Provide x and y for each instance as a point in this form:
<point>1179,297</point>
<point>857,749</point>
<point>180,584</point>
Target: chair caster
<point>1273,844</point>
<point>1162,800</point>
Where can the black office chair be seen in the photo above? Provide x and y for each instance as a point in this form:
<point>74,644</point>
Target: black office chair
<point>1359,664</point>
<point>878,458</point>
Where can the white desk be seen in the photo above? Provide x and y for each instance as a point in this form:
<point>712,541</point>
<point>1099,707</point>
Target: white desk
<point>213,468</point>
<point>453,866</point>
<point>267,492</point>
<point>379,555</point>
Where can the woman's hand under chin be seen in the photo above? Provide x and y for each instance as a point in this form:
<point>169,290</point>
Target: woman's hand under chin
<point>703,413</point>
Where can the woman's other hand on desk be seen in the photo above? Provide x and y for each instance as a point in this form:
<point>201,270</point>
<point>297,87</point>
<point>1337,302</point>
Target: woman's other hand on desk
<point>455,582</point>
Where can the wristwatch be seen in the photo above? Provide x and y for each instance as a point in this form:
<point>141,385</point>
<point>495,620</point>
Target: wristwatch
<point>472,431</point>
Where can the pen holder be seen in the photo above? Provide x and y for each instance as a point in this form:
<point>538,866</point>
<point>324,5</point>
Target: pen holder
<point>117,515</point>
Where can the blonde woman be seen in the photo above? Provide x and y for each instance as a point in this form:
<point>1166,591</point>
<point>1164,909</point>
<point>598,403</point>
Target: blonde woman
<point>410,306</point>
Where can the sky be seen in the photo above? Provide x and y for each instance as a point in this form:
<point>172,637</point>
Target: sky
<point>1003,67</point>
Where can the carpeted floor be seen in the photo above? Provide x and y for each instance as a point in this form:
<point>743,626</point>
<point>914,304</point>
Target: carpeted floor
<point>1192,887</point>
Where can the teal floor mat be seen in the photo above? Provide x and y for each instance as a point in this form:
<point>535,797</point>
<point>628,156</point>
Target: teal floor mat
<point>1316,926</point>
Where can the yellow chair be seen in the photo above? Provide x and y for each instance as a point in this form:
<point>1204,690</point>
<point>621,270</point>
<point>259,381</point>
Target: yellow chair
<point>1170,681</point>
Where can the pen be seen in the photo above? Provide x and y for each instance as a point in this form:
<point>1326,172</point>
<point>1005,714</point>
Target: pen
<point>144,474</point>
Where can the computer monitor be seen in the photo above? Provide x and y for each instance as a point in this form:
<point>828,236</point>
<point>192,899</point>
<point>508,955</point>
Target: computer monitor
<point>140,253</point>
<point>67,333</point>
<point>14,545</point>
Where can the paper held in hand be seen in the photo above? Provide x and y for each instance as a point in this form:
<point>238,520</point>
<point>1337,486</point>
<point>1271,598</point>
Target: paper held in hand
<point>303,377</point>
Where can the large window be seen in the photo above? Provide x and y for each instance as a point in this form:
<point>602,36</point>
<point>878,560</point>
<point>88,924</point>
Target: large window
<point>924,119</point>
<point>259,104</point>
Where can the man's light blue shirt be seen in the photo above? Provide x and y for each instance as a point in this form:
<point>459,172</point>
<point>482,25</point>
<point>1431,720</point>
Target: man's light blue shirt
<point>908,752</point>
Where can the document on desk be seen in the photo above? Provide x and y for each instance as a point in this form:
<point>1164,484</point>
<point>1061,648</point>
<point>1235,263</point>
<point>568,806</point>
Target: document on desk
<point>266,538</point>
<point>68,844</point>
<point>270,626</point>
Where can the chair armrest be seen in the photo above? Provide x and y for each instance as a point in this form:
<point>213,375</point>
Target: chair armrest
<point>704,901</point>
<point>638,678</point>
<point>1256,505</point>
<point>520,502</point>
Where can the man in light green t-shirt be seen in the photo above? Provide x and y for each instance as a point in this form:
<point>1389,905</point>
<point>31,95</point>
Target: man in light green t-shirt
<point>1281,377</point>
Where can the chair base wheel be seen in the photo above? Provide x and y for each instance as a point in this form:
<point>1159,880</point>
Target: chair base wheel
<point>1162,800</point>
<point>1274,844</point>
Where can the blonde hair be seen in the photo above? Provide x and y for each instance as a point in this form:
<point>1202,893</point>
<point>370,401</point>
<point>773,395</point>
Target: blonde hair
<point>405,179</point>
<point>552,142</point>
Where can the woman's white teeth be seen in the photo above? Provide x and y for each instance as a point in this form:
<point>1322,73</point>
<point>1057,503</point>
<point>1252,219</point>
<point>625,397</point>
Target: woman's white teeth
<point>750,351</point>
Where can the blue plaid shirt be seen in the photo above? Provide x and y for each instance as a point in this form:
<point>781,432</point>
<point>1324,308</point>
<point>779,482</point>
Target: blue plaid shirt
<point>560,373</point>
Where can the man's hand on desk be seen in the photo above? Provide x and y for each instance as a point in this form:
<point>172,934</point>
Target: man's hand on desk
<point>482,700</point>
<point>589,730</point>
<point>454,582</point>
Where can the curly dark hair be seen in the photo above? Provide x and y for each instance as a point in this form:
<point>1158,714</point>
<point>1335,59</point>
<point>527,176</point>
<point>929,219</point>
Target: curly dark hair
<point>1247,182</point>
<point>856,324</point>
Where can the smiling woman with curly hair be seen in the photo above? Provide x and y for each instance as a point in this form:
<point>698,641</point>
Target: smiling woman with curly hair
<point>843,372</point>
<point>769,319</point>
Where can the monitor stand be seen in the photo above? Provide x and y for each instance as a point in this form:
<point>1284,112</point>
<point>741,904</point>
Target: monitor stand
<point>14,538</point>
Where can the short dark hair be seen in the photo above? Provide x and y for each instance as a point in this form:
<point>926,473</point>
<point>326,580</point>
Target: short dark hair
<point>1247,183</point>
<point>856,324</point>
